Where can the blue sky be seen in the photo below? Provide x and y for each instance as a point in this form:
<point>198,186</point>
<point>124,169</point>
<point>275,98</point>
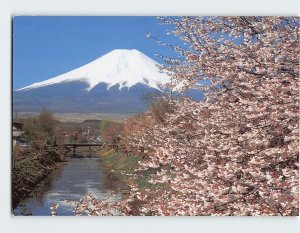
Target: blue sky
<point>44,47</point>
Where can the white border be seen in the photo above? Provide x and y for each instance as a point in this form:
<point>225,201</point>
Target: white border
<point>8,8</point>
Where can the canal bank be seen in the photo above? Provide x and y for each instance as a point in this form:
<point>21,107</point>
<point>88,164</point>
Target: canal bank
<point>119,166</point>
<point>32,170</point>
<point>123,168</point>
<point>126,169</point>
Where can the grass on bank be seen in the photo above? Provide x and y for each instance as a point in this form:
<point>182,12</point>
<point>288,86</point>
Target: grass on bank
<point>124,168</point>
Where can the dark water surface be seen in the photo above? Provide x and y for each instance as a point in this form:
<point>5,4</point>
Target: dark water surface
<point>70,182</point>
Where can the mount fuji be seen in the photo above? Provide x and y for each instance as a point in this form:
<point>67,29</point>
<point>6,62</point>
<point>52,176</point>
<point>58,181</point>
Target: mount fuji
<point>114,83</point>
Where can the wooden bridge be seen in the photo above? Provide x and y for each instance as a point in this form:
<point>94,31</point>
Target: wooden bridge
<point>89,145</point>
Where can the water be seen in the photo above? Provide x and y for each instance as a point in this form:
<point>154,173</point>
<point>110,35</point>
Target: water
<point>70,182</point>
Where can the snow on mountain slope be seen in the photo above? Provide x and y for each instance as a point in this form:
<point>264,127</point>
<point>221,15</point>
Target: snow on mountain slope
<point>121,66</point>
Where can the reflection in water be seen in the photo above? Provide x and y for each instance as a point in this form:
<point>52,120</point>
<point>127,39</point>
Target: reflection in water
<point>70,182</point>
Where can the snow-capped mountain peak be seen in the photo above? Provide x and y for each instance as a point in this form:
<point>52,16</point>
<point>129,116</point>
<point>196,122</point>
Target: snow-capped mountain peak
<point>121,66</point>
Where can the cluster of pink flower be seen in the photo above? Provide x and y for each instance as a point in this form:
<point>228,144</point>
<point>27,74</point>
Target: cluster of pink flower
<point>236,152</point>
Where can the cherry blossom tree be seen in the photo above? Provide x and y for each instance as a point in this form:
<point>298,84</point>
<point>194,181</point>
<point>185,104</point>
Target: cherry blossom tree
<point>237,151</point>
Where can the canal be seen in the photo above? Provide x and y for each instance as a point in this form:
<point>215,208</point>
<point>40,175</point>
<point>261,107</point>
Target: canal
<point>71,182</point>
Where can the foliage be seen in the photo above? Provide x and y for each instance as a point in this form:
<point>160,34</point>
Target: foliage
<point>160,108</point>
<point>236,152</point>
<point>46,122</point>
<point>42,131</point>
<point>109,129</point>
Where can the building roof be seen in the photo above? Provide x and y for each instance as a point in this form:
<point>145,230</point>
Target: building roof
<point>17,133</point>
<point>17,125</point>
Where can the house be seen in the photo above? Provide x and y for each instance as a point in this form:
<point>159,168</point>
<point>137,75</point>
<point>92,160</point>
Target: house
<point>16,132</point>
